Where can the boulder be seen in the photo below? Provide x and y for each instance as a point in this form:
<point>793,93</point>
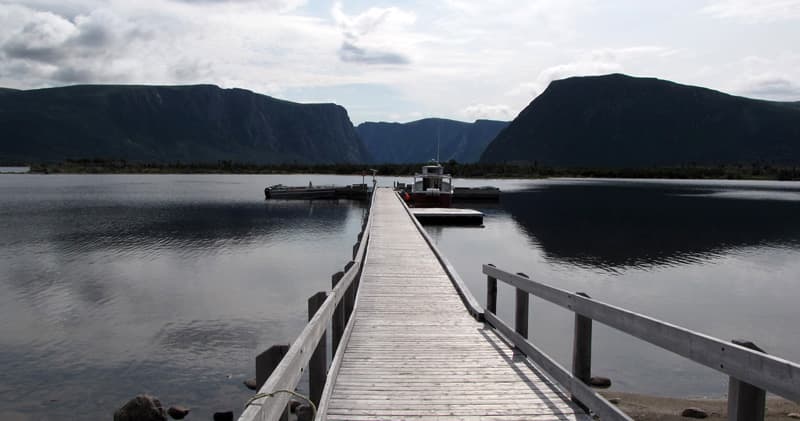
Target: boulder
<point>141,408</point>
<point>251,384</point>
<point>600,382</point>
<point>293,404</point>
<point>694,413</point>
<point>178,412</point>
<point>223,416</point>
<point>304,413</point>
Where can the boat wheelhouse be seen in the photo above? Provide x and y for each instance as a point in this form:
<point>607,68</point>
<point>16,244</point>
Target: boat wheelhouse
<point>432,187</point>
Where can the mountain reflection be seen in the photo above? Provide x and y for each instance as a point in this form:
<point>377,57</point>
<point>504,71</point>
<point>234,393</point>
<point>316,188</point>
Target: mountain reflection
<point>616,225</point>
<point>185,227</point>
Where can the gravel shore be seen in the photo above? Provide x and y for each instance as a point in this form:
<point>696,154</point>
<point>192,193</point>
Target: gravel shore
<point>652,408</point>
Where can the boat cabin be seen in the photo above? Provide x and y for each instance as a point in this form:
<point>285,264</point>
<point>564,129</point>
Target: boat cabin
<point>432,187</point>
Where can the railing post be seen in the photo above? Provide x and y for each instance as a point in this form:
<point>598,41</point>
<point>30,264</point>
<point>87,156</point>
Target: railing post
<point>317,365</point>
<point>266,362</point>
<point>582,349</point>
<point>491,293</point>
<point>349,298</point>
<point>745,401</point>
<point>521,311</point>
<point>338,322</point>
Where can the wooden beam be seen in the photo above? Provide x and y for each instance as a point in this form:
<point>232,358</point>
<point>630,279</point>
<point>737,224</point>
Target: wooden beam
<point>318,364</point>
<point>582,349</point>
<point>600,406</point>
<point>338,321</point>
<point>349,296</point>
<point>491,293</point>
<point>522,311</point>
<point>289,371</point>
<point>745,401</point>
<point>266,362</point>
<point>767,372</point>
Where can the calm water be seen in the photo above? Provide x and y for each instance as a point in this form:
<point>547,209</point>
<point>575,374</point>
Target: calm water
<point>116,285</point>
<point>719,257</point>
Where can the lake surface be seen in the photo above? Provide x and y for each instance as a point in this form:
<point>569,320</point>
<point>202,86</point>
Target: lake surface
<point>171,284</point>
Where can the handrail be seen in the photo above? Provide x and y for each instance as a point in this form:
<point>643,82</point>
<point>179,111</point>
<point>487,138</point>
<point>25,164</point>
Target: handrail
<point>287,374</point>
<point>336,363</point>
<point>744,365</point>
<point>472,304</point>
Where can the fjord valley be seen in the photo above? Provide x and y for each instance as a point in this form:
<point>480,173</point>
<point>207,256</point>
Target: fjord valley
<point>599,126</point>
<point>426,139</point>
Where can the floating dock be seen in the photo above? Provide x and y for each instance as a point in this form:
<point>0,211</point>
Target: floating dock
<point>354,192</point>
<point>448,216</point>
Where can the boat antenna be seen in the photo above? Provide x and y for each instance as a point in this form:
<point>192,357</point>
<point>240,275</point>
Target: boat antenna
<point>438,137</point>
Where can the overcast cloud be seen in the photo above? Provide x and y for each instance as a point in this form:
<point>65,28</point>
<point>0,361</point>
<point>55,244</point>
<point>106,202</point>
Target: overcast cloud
<point>458,59</point>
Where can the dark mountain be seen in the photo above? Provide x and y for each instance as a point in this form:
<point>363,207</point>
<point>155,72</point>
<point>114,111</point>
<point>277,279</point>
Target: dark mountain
<point>200,123</point>
<point>414,142</point>
<point>623,121</point>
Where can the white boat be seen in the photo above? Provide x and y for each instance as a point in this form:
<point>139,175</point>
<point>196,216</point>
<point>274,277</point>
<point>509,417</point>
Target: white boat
<point>432,188</point>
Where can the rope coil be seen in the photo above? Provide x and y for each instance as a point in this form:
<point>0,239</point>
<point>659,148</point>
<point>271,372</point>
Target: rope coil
<point>291,392</point>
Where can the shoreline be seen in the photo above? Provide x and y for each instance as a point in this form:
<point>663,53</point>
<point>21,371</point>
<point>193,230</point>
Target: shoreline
<point>472,177</point>
<point>734,171</point>
<point>656,408</point>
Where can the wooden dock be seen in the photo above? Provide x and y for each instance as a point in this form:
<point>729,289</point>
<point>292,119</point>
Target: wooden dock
<point>410,342</point>
<point>416,353</point>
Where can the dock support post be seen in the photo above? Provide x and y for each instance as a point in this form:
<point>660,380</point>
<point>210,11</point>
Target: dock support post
<point>338,322</point>
<point>317,365</point>
<point>266,362</point>
<point>521,311</point>
<point>491,293</point>
<point>582,350</point>
<point>745,401</point>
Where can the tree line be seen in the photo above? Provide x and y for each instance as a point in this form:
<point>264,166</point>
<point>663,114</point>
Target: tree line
<point>754,170</point>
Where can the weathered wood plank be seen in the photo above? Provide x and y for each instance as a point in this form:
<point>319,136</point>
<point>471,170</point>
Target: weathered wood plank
<point>415,351</point>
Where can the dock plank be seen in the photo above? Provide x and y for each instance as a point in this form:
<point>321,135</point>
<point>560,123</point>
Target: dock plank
<point>416,353</point>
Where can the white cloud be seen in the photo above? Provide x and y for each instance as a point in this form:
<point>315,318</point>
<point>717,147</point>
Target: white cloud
<point>589,63</point>
<point>769,85</point>
<point>488,111</point>
<point>754,11</point>
<point>372,36</point>
<point>456,59</point>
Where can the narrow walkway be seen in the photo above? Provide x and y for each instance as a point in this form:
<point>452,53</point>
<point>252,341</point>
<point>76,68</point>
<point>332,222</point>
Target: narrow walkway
<point>415,352</point>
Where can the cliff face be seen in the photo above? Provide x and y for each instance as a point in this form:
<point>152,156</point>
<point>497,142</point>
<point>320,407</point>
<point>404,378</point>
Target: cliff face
<point>169,123</point>
<point>622,121</point>
<point>415,142</point>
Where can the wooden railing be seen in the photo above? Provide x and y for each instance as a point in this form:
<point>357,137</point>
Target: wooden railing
<point>752,372</point>
<point>280,367</point>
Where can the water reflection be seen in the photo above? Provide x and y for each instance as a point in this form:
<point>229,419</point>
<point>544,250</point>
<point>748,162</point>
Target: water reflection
<point>614,226</point>
<point>112,286</point>
<point>720,258</point>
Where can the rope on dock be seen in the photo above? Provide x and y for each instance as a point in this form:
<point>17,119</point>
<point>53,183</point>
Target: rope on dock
<point>291,392</point>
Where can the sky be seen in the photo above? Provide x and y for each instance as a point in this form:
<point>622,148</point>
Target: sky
<point>402,61</point>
